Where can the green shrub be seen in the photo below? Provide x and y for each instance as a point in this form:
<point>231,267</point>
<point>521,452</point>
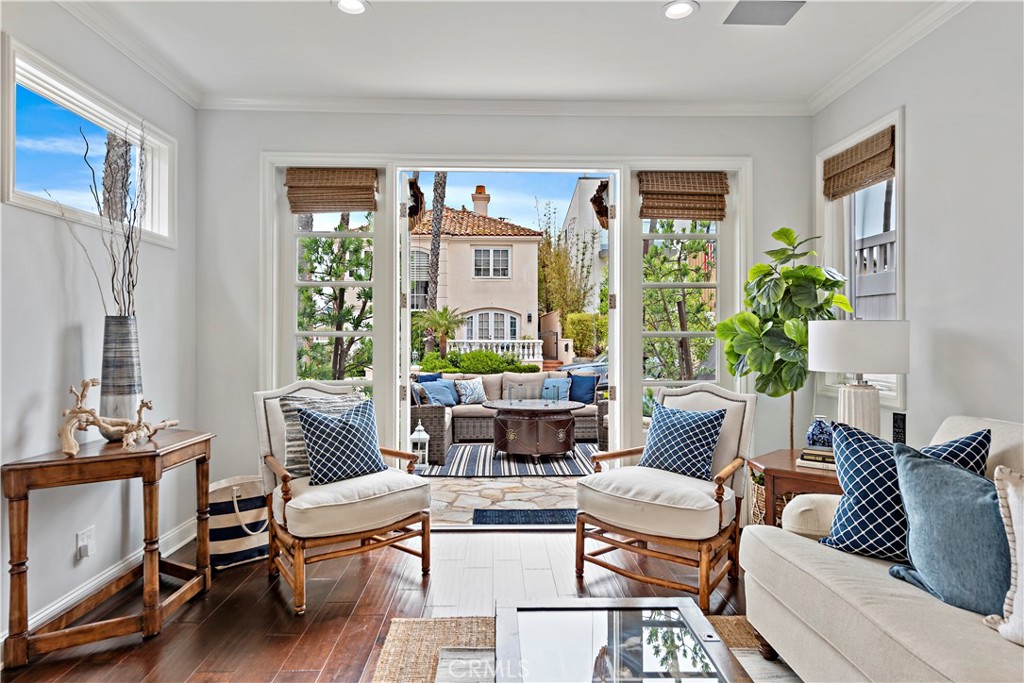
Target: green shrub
<point>481,362</point>
<point>588,331</point>
<point>432,362</point>
<point>523,367</point>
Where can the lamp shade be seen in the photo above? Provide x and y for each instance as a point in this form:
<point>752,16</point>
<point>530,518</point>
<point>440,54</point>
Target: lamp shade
<point>879,347</point>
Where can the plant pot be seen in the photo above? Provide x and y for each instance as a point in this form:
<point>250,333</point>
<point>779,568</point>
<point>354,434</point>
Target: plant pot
<point>121,378</point>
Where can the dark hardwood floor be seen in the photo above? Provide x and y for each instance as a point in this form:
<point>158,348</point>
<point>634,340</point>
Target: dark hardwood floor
<point>244,629</point>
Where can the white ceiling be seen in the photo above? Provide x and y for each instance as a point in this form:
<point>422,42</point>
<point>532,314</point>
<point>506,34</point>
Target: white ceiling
<point>622,55</point>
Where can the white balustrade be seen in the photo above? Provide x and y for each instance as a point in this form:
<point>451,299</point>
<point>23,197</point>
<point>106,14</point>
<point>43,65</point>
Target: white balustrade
<point>525,350</point>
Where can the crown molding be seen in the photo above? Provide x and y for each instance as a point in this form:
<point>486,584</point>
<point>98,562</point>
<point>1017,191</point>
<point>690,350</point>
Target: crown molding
<point>459,107</point>
<point>123,38</point>
<point>892,47</point>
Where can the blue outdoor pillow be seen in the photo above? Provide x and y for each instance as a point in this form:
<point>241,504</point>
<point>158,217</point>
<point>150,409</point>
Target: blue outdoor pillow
<point>583,388</point>
<point>556,389</point>
<point>870,519</point>
<point>682,441</point>
<point>449,384</point>
<point>341,446</point>
<point>438,393</point>
<point>956,539</point>
<point>428,377</point>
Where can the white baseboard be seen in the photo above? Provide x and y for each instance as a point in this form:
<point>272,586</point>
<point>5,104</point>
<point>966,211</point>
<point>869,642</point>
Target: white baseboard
<point>169,542</point>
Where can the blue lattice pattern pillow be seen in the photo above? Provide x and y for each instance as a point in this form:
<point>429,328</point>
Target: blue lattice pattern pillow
<point>341,446</point>
<point>683,441</point>
<point>871,519</point>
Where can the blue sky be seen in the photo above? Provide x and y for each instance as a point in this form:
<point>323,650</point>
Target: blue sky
<point>514,194</point>
<point>48,153</point>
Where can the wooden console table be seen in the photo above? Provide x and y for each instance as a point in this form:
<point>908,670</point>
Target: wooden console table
<point>782,476</point>
<point>101,461</point>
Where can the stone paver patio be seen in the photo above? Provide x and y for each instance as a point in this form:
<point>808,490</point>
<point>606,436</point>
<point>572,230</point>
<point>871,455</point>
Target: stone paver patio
<point>455,498</point>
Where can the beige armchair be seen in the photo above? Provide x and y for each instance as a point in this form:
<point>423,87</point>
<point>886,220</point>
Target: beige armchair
<point>355,515</point>
<point>688,521</point>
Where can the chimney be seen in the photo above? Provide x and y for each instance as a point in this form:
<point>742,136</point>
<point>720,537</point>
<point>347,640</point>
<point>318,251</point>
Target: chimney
<point>480,200</point>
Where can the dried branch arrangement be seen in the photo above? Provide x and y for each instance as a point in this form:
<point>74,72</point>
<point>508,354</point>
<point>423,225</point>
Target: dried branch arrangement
<point>121,207</point>
<point>81,418</point>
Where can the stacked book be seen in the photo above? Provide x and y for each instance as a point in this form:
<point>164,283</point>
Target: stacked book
<point>817,457</point>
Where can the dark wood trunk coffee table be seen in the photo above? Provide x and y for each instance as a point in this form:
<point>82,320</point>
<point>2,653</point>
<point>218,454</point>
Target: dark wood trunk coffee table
<point>534,426</point>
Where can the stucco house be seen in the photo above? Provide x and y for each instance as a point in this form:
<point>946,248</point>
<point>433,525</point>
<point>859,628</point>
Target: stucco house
<point>488,271</point>
<point>586,236</point>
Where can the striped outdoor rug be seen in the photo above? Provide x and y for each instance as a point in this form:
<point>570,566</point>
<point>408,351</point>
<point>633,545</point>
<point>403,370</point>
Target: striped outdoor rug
<point>477,460</point>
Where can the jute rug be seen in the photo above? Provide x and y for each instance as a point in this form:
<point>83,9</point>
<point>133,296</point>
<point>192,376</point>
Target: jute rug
<point>478,460</point>
<point>410,652</point>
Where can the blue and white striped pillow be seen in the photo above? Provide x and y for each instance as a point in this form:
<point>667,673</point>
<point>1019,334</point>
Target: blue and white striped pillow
<point>341,446</point>
<point>870,519</point>
<point>682,441</point>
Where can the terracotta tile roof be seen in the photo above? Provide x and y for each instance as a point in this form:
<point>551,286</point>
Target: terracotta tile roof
<point>463,223</point>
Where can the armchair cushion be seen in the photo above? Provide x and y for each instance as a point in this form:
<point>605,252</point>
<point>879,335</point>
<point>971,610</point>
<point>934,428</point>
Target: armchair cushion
<point>294,456</point>
<point>352,505</point>
<point>656,502</point>
<point>341,446</point>
<point>683,441</point>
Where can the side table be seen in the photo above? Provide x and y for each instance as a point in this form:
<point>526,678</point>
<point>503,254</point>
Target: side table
<point>101,461</point>
<point>783,476</point>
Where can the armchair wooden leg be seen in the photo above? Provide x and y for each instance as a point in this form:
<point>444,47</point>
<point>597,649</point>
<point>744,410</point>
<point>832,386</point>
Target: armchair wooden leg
<point>704,578</point>
<point>299,569</point>
<point>579,546</point>
<point>425,547</point>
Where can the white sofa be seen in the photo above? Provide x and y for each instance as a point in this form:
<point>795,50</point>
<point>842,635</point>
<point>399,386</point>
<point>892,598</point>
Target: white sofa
<point>833,616</point>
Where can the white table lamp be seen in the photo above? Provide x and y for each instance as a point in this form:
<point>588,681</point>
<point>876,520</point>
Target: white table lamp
<point>880,347</point>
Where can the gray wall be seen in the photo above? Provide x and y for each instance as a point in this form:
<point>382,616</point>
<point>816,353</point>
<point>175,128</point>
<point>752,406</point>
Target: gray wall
<point>53,325</point>
<point>961,90</point>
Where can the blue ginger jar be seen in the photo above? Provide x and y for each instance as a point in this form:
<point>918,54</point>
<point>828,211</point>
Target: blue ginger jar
<point>819,434</point>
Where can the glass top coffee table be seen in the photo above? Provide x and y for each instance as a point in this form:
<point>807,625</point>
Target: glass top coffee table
<point>617,640</point>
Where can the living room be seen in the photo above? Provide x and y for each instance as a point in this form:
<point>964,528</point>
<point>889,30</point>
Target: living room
<point>237,93</point>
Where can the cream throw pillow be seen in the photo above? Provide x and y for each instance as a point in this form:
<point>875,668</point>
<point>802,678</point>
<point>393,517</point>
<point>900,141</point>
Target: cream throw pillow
<point>1010,489</point>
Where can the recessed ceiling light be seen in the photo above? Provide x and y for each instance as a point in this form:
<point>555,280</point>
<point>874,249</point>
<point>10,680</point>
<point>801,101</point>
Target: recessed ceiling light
<point>353,6</point>
<point>680,9</point>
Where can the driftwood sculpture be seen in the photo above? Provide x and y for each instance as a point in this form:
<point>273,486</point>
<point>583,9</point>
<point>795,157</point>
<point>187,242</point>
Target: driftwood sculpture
<point>81,418</point>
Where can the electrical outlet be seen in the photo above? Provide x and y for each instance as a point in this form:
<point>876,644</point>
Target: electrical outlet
<point>899,427</point>
<point>85,543</point>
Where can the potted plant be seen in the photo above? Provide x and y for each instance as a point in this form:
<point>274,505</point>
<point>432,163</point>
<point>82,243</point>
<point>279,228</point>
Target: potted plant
<point>770,338</point>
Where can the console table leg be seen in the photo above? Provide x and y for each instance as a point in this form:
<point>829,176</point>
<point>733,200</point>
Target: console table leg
<point>203,520</point>
<point>16,645</point>
<point>151,618</point>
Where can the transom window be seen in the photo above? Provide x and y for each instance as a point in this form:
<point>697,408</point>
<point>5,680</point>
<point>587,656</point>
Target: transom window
<point>61,127</point>
<point>500,325</point>
<point>491,262</point>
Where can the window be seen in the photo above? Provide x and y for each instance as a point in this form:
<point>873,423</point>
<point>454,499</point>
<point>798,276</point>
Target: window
<point>418,279</point>
<point>491,262</point>
<point>55,118</point>
<point>861,225</point>
<point>492,325</point>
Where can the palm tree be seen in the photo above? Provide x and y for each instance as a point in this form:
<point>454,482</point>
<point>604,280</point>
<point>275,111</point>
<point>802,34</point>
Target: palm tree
<point>441,324</point>
<point>440,185</point>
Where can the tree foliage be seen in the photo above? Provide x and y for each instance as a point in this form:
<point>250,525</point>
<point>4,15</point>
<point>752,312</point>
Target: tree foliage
<point>347,307</point>
<point>440,324</point>
<point>564,267</point>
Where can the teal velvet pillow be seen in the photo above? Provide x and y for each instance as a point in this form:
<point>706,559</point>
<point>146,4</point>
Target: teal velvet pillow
<point>955,536</point>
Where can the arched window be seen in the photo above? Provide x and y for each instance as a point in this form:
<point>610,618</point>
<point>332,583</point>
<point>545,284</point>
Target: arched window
<point>492,325</point>
<point>419,268</point>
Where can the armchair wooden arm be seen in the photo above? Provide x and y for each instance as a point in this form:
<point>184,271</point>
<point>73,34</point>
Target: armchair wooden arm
<point>719,480</point>
<point>277,468</point>
<point>402,455</point>
<point>286,490</point>
<point>598,458</point>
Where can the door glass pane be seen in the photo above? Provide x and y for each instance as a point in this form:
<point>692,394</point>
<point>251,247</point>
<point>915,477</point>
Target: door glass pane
<point>340,309</point>
<point>499,326</point>
<point>680,310</point>
<point>679,226</point>
<point>513,327</point>
<point>678,261</point>
<point>325,259</point>
<point>484,325</point>
<point>680,359</point>
<point>324,358</point>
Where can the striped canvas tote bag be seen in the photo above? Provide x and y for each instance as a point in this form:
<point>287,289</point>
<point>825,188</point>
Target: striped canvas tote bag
<point>238,521</point>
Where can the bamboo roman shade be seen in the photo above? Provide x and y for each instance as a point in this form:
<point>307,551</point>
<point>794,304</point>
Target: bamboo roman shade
<point>868,162</point>
<point>320,190</point>
<point>688,195</point>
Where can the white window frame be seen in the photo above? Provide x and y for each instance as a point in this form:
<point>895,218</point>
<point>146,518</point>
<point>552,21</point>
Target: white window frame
<point>490,262</point>
<point>833,223</point>
<point>417,252</point>
<point>473,323</point>
<point>22,66</point>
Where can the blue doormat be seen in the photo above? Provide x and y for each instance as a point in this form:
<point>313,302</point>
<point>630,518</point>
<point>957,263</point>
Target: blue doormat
<point>523,517</point>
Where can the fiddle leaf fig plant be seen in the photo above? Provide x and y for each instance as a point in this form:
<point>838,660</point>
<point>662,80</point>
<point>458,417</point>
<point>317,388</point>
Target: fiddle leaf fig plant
<point>770,338</point>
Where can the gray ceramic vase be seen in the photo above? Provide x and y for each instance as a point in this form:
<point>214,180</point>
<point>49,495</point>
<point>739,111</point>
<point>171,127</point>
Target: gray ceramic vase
<point>121,381</point>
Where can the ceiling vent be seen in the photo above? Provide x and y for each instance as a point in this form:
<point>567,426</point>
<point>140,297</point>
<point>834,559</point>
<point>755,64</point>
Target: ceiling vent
<point>763,12</point>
